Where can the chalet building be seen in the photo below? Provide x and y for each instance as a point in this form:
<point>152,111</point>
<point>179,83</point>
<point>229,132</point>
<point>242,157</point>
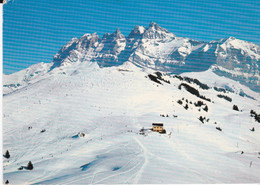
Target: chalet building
<point>158,127</point>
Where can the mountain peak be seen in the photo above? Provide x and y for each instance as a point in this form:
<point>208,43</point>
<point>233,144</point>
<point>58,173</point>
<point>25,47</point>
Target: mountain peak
<point>153,24</point>
<point>118,34</point>
<point>231,38</point>
<point>154,31</point>
<point>89,36</point>
<point>117,31</point>
<point>115,35</point>
<point>137,31</point>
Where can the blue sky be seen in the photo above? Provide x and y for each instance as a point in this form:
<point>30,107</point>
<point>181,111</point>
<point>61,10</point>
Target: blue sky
<point>34,30</point>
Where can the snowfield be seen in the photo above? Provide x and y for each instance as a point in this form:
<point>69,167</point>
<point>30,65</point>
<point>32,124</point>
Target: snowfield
<point>110,105</point>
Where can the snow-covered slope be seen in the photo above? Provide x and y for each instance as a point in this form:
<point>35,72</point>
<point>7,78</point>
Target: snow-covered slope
<point>41,122</point>
<point>24,77</point>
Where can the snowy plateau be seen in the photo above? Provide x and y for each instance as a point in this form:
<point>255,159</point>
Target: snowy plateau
<point>86,117</point>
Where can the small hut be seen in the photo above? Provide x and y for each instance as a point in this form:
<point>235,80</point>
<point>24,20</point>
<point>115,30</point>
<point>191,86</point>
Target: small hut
<point>158,127</point>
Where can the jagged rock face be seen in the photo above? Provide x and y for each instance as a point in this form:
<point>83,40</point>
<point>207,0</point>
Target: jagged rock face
<point>235,53</point>
<point>238,60</point>
<point>155,47</point>
<point>77,50</point>
<point>91,48</point>
<point>65,51</point>
<point>136,33</point>
<point>112,43</point>
<point>132,42</point>
<point>154,31</point>
<point>109,48</point>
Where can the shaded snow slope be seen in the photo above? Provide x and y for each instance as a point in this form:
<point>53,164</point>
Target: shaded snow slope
<point>110,105</point>
<point>213,80</point>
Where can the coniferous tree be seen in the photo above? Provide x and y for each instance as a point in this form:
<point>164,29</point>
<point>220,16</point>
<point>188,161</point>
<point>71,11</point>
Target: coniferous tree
<point>30,166</point>
<point>206,108</point>
<point>235,107</point>
<point>201,119</point>
<point>7,155</point>
<point>179,102</point>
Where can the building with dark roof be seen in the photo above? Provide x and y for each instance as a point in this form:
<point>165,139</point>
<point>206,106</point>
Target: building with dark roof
<point>158,127</point>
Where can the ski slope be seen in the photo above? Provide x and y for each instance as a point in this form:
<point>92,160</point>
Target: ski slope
<point>110,105</point>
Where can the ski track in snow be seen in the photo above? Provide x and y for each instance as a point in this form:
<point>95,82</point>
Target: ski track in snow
<point>140,172</point>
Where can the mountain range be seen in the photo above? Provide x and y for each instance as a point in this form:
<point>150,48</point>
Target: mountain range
<point>156,48</point>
